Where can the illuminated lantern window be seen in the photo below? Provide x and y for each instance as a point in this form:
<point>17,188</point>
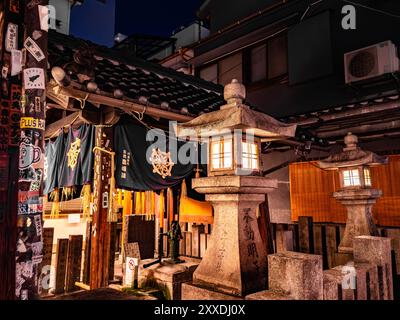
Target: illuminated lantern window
<point>233,154</point>
<point>234,134</point>
<point>367,177</point>
<point>351,178</point>
<point>353,164</point>
<point>221,154</point>
<point>250,156</point>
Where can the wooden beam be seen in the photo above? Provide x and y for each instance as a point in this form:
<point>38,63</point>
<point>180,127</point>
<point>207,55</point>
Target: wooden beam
<point>76,118</point>
<point>53,128</point>
<point>349,113</point>
<point>362,129</point>
<point>126,105</point>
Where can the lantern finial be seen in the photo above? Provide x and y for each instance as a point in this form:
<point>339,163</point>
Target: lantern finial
<point>234,92</point>
<point>350,141</point>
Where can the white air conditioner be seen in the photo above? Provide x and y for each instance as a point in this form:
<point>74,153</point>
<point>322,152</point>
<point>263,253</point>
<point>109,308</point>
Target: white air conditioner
<point>371,62</point>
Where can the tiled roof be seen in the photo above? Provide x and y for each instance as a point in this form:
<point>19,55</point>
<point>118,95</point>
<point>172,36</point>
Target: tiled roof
<point>118,74</point>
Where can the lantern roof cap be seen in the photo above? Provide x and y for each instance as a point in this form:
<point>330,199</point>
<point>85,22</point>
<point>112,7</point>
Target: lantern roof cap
<point>235,115</point>
<point>352,156</point>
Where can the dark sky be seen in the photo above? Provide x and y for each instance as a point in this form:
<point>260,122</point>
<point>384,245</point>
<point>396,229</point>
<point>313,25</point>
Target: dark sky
<point>94,20</point>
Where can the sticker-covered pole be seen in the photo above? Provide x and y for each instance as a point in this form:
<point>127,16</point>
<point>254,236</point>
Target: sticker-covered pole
<point>11,35</point>
<point>29,253</point>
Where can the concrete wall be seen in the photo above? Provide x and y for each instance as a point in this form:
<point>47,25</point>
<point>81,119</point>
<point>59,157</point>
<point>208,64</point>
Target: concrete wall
<point>63,13</point>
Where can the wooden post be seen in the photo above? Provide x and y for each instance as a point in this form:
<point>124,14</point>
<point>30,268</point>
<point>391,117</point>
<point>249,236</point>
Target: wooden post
<point>196,231</point>
<point>11,20</point>
<point>188,244</point>
<point>8,223</point>
<point>264,224</point>
<point>86,261</point>
<point>61,265</point>
<point>306,235</point>
<point>31,162</point>
<point>100,246</point>
<point>203,244</point>
<point>113,240</point>
<point>294,228</point>
<point>331,245</point>
<point>74,262</point>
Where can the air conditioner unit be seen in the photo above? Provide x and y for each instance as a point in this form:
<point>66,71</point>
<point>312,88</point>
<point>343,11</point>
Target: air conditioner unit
<point>371,62</point>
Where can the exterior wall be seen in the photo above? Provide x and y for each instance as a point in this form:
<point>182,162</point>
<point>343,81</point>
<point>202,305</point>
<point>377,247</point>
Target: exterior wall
<point>319,82</point>
<point>184,38</point>
<point>238,9</point>
<point>279,200</point>
<point>63,13</point>
<point>190,35</point>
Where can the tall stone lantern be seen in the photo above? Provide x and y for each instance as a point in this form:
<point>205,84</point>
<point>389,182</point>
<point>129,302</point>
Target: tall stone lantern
<point>235,261</point>
<point>356,192</point>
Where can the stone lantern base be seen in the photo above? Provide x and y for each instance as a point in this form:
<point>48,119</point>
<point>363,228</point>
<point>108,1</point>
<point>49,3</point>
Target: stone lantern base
<point>235,262</point>
<point>358,203</point>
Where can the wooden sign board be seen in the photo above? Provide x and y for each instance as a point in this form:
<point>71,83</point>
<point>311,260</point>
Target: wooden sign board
<point>61,264</point>
<point>132,250</point>
<point>74,259</point>
<point>45,266</point>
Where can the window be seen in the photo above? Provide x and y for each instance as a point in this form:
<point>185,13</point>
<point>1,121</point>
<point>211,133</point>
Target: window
<point>277,57</point>
<point>351,178</point>
<point>269,60</point>
<point>224,70</point>
<point>230,68</point>
<point>249,155</point>
<point>221,154</point>
<point>258,59</point>
<point>367,177</point>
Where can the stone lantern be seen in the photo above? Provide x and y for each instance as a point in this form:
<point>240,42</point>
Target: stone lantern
<point>235,262</point>
<point>356,192</point>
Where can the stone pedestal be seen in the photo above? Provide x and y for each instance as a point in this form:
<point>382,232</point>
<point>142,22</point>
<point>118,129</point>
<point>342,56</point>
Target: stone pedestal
<point>377,251</point>
<point>166,276</point>
<point>293,276</point>
<point>235,262</point>
<point>359,222</point>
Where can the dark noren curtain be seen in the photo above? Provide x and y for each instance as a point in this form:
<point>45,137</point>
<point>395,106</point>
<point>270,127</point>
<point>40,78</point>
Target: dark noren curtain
<point>134,171</point>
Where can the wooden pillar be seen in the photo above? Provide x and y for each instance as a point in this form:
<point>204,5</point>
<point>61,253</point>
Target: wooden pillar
<point>86,261</point>
<point>74,262</point>
<point>197,229</point>
<point>8,223</point>
<point>265,227</point>
<point>100,243</point>
<point>11,37</point>
<point>331,245</point>
<point>29,252</point>
<point>113,242</point>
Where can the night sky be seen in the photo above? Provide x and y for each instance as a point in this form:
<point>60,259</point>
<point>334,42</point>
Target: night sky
<point>95,21</point>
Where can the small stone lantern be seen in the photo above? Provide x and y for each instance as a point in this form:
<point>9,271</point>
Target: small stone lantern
<point>235,262</point>
<point>356,192</point>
